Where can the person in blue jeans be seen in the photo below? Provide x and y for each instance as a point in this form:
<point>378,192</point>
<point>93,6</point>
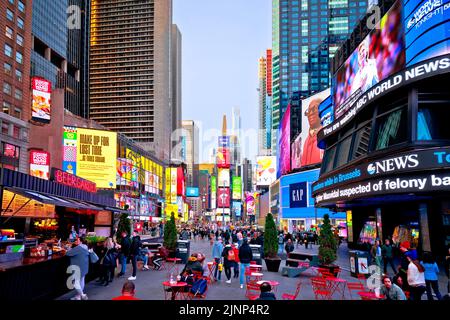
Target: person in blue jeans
<point>245,257</point>
<point>431,275</point>
<point>217,256</point>
<point>124,252</point>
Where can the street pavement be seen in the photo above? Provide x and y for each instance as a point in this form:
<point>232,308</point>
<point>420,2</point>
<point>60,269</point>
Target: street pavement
<point>149,283</point>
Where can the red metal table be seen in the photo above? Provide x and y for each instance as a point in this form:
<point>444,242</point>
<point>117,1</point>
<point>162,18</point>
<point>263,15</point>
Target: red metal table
<point>173,266</point>
<point>337,285</point>
<point>368,295</point>
<point>176,290</point>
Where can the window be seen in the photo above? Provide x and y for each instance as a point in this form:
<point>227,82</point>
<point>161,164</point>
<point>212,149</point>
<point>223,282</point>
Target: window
<point>9,32</point>
<point>17,113</point>
<point>7,88</point>
<point>8,68</point>
<point>6,107</point>
<point>432,121</point>
<point>391,129</point>
<point>21,6</point>
<point>19,57</point>
<point>16,132</point>
<point>19,75</point>
<point>9,15</point>
<point>20,23</point>
<point>11,1</point>
<point>5,128</point>
<point>19,40</point>
<point>8,50</point>
<point>18,94</point>
<point>328,159</point>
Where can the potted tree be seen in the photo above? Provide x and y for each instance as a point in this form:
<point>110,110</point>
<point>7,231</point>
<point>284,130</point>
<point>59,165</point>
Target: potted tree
<point>170,236</point>
<point>271,257</point>
<point>327,247</point>
<point>124,225</point>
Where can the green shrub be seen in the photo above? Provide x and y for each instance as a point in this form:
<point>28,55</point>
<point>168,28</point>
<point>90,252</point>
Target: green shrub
<point>270,238</point>
<point>327,242</point>
<point>170,233</point>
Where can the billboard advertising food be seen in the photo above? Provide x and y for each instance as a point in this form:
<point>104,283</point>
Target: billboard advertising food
<point>223,157</point>
<point>96,156</point>
<point>304,149</point>
<point>223,198</point>
<point>237,188</point>
<point>40,164</point>
<point>224,177</point>
<point>192,192</point>
<point>284,144</point>
<point>379,55</point>
<point>266,170</point>
<point>427,29</point>
<point>41,90</point>
<point>213,192</point>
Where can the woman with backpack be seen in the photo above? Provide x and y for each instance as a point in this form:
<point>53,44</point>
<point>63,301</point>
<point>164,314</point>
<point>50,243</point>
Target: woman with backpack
<point>228,261</point>
<point>416,279</point>
<point>108,262</point>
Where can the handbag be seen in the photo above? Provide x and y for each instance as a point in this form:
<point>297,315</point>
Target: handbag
<point>93,257</point>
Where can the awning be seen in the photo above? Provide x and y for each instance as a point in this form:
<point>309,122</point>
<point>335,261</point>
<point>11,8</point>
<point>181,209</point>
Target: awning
<point>54,200</point>
<point>118,210</point>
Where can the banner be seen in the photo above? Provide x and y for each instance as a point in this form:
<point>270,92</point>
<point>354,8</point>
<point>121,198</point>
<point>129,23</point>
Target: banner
<point>70,150</point>
<point>250,203</point>
<point>40,164</point>
<point>284,144</point>
<point>96,157</point>
<point>223,198</point>
<point>237,188</point>
<point>41,90</point>
<point>223,157</point>
<point>266,170</point>
<point>298,195</point>
<point>224,178</point>
<point>213,192</point>
<point>237,208</point>
<point>224,141</point>
<point>192,192</point>
<point>173,185</point>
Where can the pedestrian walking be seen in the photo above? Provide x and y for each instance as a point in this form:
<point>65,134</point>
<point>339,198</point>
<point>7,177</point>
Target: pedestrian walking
<point>236,261</point>
<point>388,256</point>
<point>416,279</point>
<point>376,254</point>
<point>79,256</point>
<point>280,243</point>
<point>245,257</point>
<point>228,261</point>
<point>124,252</point>
<point>289,246</point>
<point>135,251</point>
<point>108,261</point>
<point>431,276</point>
<point>217,256</point>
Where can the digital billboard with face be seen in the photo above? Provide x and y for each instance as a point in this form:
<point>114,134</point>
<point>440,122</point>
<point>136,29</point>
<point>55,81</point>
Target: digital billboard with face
<point>266,170</point>
<point>427,29</point>
<point>379,55</point>
<point>284,144</point>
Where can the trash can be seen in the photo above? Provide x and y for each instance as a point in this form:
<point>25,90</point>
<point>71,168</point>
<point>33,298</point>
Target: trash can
<point>359,263</point>
<point>256,251</point>
<point>183,250</point>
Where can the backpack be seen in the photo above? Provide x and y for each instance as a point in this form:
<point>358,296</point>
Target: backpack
<point>231,255</point>
<point>199,287</point>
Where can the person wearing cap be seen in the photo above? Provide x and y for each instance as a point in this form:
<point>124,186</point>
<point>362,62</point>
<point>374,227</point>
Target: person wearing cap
<point>217,256</point>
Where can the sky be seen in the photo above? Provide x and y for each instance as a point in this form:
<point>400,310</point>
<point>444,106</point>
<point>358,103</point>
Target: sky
<point>222,41</point>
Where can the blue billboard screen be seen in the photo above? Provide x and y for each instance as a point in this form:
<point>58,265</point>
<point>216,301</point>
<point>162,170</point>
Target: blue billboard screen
<point>192,192</point>
<point>427,29</point>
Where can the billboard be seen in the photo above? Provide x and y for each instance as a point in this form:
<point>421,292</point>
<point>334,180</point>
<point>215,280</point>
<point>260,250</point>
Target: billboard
<point>326,113</point>
<point>70,150</point>
<point>41,90</point>
<point>168,193</point>
<point>213,192</point>
<point>266,170</point>
<point>173,185</point>
<point>379,55</point>
<point>181,190</point>
<point>223,157</point>
<point>96,156</point>
<point>192,192</point>
<point>237,188</point>
<point>224,141</point>
<point>250,203</point>
<point>306,150</point>
<point>237,208</point>
<point>284,144</point>
<point>40,164</point>
<point>427,29</point>
<point>224,178</point>
<point>223,198</point>
<point>296,150</point>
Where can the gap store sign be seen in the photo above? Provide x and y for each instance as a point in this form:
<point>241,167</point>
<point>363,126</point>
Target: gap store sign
<point>296,197</point>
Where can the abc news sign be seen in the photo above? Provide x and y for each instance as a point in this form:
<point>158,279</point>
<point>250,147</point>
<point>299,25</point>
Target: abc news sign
<point>398,164</point>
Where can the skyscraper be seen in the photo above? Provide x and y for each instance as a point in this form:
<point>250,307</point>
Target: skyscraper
<point>235,136</point>
<point>60,45</point>
<point>130,70</point>
<point>305,35</point>
<point>190,146</point>
<point>265,103</point>
<point>176,77</point>
<point>15,42</point>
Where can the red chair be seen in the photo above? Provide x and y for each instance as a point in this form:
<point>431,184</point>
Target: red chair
<point>354,286</point>
<point>253,262</point>
<point>294,296</point>
<point>320,289</point>
<point>253,291</point>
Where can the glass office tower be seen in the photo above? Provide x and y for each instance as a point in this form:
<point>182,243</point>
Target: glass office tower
<point>305,35</point>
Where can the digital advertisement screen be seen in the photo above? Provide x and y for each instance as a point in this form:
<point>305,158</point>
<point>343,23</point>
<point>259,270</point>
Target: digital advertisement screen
<point>223,198</point>
<point>40,164</point>
<point>266,170</point>
<point>96,156</point>
<point>427,29</point>
<point>250,203</point>
<point>173,185</point>
<point>224,177</point>
<point>237,208</point>
<point>296,153</point>
<point>223,157</point>
<point>237,188</point>
<point>379,55</point>
<point>192,192</point>
<point>284,144</point>
<point>326,113</point>
<point>41,90</point>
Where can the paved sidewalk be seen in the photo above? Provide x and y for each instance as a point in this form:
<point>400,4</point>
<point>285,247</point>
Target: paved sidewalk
<point>149,283</point>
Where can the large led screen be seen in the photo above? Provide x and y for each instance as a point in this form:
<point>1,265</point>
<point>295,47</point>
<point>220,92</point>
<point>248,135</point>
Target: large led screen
<point>266,170</point>
<point>427,29</point>
<point>284,144</point>
<point>379,55</point>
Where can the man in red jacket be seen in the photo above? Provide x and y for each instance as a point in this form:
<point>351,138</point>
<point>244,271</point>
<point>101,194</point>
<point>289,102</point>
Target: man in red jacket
<point>127,292</point>
<point>236,261</point>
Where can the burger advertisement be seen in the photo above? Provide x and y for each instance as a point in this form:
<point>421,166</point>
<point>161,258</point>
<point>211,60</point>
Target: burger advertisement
<point>41,90</point>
